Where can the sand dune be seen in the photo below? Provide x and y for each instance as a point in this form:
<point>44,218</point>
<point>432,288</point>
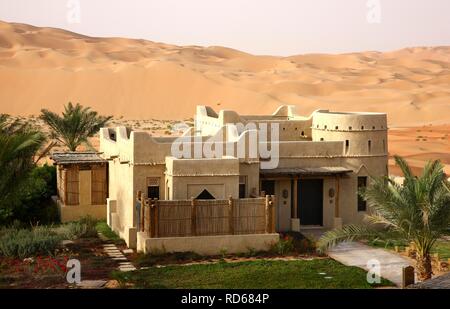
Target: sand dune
<point>137,79</point>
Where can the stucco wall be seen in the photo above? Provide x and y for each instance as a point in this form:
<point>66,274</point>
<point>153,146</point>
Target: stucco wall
<point>207,245</point>
<point>188,178</point>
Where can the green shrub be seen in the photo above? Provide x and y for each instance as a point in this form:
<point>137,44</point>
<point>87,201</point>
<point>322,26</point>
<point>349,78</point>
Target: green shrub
<point>284,246</point>
<point>84,228</point>
<point>33,203</point>
<point>22,243</point>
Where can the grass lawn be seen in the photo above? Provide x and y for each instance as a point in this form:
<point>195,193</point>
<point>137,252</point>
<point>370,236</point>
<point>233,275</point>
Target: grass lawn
<point>441,246</point>
<point>102,227</point>
<point>298,274</point>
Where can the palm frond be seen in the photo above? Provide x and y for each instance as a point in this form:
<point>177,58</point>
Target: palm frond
<point>346,233</point>
<point>75,126</point>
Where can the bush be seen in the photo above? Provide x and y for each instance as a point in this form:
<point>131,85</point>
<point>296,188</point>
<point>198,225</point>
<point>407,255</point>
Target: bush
<point>33,203</point>
<point>22,243</point>
<point>284,246</point>
<point>84,228</point>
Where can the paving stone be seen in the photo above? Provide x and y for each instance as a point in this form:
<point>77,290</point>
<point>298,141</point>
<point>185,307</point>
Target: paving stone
<point>440,282</point>
<point>91,284</point>
<point>119,258</point>
<point>113,252</point>
<point>66,242</point>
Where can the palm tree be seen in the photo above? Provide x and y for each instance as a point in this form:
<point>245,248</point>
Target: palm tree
<point>19,144</point>
<point>76,125</point>
<point>417,211</point>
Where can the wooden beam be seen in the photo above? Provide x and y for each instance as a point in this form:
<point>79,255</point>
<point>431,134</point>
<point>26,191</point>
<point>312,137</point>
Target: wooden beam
<point>193,217</point>
<point>230,215</point>
<point>295,193</point>
<point>336,201</point>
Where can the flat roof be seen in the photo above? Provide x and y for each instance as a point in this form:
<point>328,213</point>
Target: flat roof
<point>307,171</point>
<point>74,157</point>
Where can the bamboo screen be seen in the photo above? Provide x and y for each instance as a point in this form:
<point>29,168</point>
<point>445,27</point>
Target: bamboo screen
<point>174,218</point>
<point>72,185</point>
<point>249,216</point>
<point>210,217</point>
<point>98,185</point>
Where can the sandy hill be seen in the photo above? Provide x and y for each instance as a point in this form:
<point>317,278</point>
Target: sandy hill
<point>46,67</point>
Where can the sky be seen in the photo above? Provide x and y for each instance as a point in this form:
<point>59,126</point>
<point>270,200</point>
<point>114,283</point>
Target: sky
<point>272,27</point>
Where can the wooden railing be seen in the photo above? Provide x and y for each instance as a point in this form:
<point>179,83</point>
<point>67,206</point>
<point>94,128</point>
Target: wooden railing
<point>182,218</point>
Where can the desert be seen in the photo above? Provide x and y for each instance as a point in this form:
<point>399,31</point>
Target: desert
<point>140,82</point>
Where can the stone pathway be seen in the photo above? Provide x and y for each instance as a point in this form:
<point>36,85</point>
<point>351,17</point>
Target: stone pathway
<point>114,253</point>
<point>441,282</point>
<point>358,254</point>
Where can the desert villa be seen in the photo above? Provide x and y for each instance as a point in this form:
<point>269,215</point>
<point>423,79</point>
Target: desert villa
<point>232,181</point>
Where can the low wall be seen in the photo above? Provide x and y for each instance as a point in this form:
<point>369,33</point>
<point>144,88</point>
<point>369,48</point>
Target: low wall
<point>75,212</point>
<point>207,245</point>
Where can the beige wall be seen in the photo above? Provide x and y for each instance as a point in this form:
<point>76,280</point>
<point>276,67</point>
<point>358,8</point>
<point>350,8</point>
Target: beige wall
<point>207,245</point>
<point>188,178</point>
<point>74,213</point>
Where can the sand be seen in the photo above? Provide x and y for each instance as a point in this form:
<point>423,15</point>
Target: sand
<point>144,80</point>
<point>139,79</point>
<point>418,145</point>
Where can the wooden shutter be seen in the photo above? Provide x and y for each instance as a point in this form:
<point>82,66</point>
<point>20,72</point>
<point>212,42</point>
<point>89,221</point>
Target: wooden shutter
<point>98,185</point>
<point>72,186</point>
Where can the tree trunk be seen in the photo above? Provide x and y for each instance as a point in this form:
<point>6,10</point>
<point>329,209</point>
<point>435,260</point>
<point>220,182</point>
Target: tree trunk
<point>423,266</point>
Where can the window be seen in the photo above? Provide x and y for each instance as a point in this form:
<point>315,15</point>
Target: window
<point>369,145</point>
<point>321,139</point>
<point>205,195</point>
<point>362,183</point>
<point>336,128</point>
<point>153,188</point>
<point>98,185</point>
<point>303,133</point>
<point>242,186</point>
<point>347,145</point>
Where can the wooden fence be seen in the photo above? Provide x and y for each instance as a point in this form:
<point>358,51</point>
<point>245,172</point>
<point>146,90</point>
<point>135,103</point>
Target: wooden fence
<point>181,218</point>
